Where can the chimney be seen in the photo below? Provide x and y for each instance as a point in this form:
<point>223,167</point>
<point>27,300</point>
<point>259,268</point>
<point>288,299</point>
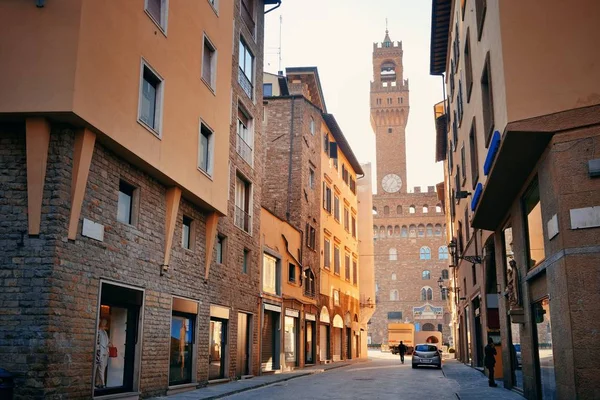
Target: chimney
<point>417,189</point>
<point>430,189</point>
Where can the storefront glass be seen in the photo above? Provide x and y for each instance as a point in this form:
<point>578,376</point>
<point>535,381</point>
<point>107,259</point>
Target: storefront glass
<point>116,338</point>
<point>541,314</point>
<point>216,351</point>
<point>310,355</point>
<point>290,339</point>
<point>468,337</point>
<point>183,326</point>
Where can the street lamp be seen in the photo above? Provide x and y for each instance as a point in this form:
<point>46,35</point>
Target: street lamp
<point>440,283</point>
<point>452,250</point>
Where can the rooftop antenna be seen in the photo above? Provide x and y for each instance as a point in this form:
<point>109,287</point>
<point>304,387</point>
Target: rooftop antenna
<point>280,22</point>
<point>386,26</point>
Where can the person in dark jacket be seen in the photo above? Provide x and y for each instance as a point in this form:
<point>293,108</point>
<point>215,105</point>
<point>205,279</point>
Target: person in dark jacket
<point>402,350</point>
<point>490,360</point>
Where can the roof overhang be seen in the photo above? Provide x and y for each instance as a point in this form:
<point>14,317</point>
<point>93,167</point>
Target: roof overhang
<point>517,156</point>
<point>441,11</point>
<point>441,131</point>
<point>342,143</point>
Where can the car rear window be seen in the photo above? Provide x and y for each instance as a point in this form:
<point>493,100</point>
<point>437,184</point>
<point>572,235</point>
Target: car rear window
<point>426,347</point>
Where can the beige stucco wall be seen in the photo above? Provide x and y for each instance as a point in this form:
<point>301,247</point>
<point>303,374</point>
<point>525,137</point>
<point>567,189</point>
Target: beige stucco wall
<point>550,58</point>
<point>84,58</point>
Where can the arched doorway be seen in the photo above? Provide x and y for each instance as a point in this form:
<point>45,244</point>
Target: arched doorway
<point>324,352</point>
<point>428,327</point>
<point>338,326</point>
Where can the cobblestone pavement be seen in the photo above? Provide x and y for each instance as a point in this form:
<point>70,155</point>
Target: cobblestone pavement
<point>381,378</point>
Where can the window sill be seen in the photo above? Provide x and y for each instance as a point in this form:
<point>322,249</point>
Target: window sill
<point>158,25</point>
<point>153,131</point>
<point>209,86</point>
<point>205,173</point>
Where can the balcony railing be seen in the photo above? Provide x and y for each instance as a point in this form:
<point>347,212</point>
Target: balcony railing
<point>243,220</point>
<point>245,83</point>
<point>244,149</point>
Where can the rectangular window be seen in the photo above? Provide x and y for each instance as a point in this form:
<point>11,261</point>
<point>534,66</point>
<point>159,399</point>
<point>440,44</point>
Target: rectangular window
<point>183,327</point>
<point>487,101</point>
<point>455,130</point>
<point>186,234</point>
<point>310,237</point>
<point>326,143</point>
<point>243,216</point>
<point>291,273</point>
<point>346,219</point>
<point>467,225</point>
<point>312,126</point>
<point>125,206</point>
<point>245,261</point>
<point>247,11</point>
<point>534,232</point>
<point>246,69</point>
<point>267,89</point>
<point>474,274</point>
<point>336,208</point>
<point>150,103</point>
<point>271,275</point>
<point>221,249</point>
<point>480,10</point>
<point>245,137</point>
<point>209,63</point>
<point>352,185</point>
<point>468,66</point>
<point>118,333</point>
<point>336,260</point>
<point>327,254</point>
<point>459,234</point>
<point>205,149</point>
<point>311,178</point>
<point>355,272</point>
<point>463,162</point>
<point>345,174</point>
<point>347,267</point>
<point>474,154</point>
<point>353,226</point>
<point>327,198</point>
<point>395,315</point>
<point>157,9</point>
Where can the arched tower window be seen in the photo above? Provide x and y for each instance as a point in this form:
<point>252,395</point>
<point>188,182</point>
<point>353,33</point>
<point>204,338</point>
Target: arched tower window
<point>429,230</point>
<point>393,277</point>
<point>438,208</point>
<point>393,254</point>
<point>421,230</point>
<point>443,253</point>
<point>426,275</point>
<point>375,231</point>
<point>412,209</point>
<point>396,230</point>
<point>425,253</point>
<point>425,209</point>
<point>382,231</point>
<point>399,210</point>
<point>374,210</point>
<point>412,231</point>
<point>404,232</point>
<point>428,327</point>
<point>438,230</point>
<point>386,210</point>
<point>390,231</point>
<point>426,294</point>
<point>394,295</point>
<point>444,274</point>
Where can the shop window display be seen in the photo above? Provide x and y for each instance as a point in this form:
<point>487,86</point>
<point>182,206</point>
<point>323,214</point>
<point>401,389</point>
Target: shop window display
<point>290,339</point>
<point>116,339</point>
<point>183,332</point>
<point>541,313</point>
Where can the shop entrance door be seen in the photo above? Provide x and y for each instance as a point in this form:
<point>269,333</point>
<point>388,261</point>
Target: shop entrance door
<point>216,351</point>
<point>243,350</point>
<point>324,342</point>
<point>349,343</point>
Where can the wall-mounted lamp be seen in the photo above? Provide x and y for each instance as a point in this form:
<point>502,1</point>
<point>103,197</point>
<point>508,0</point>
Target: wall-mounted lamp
<point>462,194</point>
<point>452,251</point>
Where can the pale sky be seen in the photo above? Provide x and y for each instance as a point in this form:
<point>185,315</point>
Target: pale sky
<point>337,37</point>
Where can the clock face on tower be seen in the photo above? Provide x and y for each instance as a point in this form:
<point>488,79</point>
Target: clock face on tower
<point>391,183</point>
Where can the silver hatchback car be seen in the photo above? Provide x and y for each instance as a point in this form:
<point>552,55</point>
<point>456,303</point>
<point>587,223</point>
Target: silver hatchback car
<point>426,354</point>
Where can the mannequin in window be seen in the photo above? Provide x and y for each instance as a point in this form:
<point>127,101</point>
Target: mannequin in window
<point>102,343</point>
<point>182,335</point>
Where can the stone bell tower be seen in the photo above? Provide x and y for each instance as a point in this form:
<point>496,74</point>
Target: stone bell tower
<point>389,114</point>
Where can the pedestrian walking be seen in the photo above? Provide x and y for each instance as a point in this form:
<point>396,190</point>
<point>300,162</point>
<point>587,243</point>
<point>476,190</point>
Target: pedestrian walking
<point>490,360</point>
<point>402,350</point>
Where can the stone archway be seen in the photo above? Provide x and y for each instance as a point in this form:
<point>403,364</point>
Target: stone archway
<point>432,339</point>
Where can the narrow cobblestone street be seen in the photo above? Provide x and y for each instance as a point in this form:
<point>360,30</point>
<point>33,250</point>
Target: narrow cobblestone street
<point>382,377</point>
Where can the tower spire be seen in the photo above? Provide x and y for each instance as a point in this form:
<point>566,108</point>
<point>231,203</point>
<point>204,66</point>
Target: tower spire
<point>386,40</point>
